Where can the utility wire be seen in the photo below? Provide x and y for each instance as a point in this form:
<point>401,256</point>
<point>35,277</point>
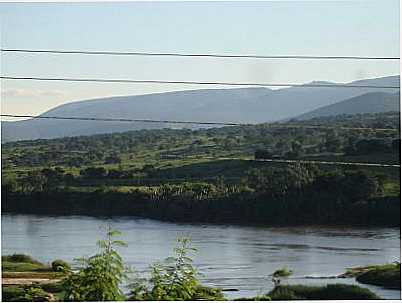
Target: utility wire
<point>310,162</point>
<point>198,82</point>
<point>292,161</point>
<point>123,120</point>
<point>117,53</point>
<point>269,125</point>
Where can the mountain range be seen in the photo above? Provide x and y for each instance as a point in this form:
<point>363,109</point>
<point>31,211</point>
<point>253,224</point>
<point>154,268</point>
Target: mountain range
<point>247,105</point>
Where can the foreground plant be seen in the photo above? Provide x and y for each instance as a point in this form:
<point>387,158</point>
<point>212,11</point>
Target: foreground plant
<point>175,279</point>
<point>99,276</point>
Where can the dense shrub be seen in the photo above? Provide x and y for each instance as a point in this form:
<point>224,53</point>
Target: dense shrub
<point>282,272</point>
<point>386,276</point>
<point>174,280</point>
<point>60,266</point>
<point>258,298</point>
<point>31,293</point>
<point>100,275</point>
<point>10,293</point>
<point>20,258</point>
<point>281,293</point>
<point>328,292</point>
<point>21,267</point>
<point>53,287</point>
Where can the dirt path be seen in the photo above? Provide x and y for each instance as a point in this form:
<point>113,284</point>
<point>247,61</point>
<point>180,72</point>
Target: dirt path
<point>27,281</point>
<point>27,278</point>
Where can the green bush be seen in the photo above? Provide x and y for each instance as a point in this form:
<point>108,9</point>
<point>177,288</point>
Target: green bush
<point>53,287</point>
<point>19,267</point>
<point>20,258</point>
<point>21,263</point>
<point>31,293</point>
<point>208,293</point>
<point>100,275</point>
<point>258,298</point>
<point>347,292</point>
<point>282,272</point>
<point>11,293</point>
<point>386,276</point>
<point>60,266</point>
<point>281,293</point>
<point>328,292</point>
<point>35,294</point>
<point>174,280</point>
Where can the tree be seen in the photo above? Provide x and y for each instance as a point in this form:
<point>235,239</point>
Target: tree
<point>297,149</point>
<point>53,178</point>
<point>360,185</point>
<point>396,145</point>
<point>333,143</point>
<point>262,154</point>
<point>257,179</point>
<point>8,185</point>
<point>368,146</point>
<point>280,181</point>
<point>76,161</point>
<point>112,159</point>
<point>93,172</point>
<point>99,276</point>
<point>34,181</point>
<point>351,186</point>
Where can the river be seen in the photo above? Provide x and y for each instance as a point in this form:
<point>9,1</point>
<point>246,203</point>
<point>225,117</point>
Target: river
<point>228,256</point>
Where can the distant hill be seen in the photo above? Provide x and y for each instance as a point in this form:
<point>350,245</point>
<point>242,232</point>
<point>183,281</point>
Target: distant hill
<point>367,103</point>
<point>248,105</point>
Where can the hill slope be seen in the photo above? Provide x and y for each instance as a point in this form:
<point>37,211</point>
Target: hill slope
<point>249,105</point>
<point>368,103</point>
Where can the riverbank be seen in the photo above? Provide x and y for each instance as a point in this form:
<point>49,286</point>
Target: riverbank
<point>240,208</point>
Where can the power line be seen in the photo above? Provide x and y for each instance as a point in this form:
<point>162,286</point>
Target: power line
<point>336,127</point>
<point>292,161</point>
<point>198,82</point>
<point>269,125</point>
<point>116,53</point>
<point>123,120</point>
<point>312,162</point>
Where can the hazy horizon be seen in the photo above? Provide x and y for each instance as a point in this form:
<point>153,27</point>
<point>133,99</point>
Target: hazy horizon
<point>261,28</point>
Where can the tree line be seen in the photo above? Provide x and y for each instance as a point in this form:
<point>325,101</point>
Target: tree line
<point>295,194</point>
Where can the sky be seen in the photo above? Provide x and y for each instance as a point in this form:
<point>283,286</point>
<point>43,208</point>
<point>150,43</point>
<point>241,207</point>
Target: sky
<point>328,28</point>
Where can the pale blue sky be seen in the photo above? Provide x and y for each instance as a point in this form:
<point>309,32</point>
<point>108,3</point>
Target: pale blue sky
<point>365,28</point>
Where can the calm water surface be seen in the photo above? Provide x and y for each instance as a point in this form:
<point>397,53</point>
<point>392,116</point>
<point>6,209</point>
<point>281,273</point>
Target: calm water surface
<point>228,256</point>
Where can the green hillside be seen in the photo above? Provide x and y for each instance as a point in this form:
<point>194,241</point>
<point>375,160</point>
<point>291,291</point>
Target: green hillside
<point>377,102</point>
<point>215,166</point>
